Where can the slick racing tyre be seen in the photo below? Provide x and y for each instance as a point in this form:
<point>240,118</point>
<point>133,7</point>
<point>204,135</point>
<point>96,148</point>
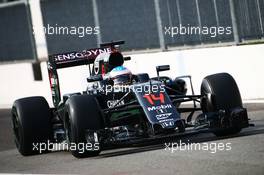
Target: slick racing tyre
<point>221,93</point>
<point>83,115</point>
<point>31,119</point>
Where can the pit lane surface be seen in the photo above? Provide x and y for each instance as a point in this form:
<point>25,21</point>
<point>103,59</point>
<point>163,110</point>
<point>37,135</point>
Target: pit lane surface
<point>245,157</point>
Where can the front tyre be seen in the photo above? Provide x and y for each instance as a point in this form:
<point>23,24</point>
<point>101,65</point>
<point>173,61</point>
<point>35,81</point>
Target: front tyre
<point>31,119</point>
<point>83,119</point>
<point>222,93</point>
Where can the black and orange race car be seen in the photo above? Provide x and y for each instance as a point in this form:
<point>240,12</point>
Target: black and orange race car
<point>120,107</point>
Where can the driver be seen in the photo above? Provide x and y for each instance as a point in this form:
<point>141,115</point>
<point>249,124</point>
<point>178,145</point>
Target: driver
<point>120,75</point>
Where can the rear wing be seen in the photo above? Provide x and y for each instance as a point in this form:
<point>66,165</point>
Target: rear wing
<point>75,58</point>
<point>70,59</point>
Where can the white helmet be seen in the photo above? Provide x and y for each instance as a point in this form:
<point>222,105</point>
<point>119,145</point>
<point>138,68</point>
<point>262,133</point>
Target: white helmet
<point>120,75</point>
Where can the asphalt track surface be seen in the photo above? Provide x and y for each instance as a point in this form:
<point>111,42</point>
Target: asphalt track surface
<point>245,157</point>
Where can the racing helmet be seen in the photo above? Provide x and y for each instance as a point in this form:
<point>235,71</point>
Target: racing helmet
<point>120,75</point>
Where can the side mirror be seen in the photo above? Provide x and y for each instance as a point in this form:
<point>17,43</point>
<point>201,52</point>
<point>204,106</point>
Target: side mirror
<point>94,78</point>
<point>127,58</point>
<point>162,68</point>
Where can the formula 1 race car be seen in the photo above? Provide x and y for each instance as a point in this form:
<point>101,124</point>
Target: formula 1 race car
<point>120,107</point>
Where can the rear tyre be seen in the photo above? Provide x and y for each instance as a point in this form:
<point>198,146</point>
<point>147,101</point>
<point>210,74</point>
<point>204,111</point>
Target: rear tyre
<point>31,119</point>
<point>83,114</point>
<point>221,93</point>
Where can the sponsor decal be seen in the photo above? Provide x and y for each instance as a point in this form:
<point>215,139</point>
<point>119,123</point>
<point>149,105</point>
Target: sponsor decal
<point>92,53</point>
<point>68,56</point>
<point>95,52</point>
<point>114,103</point>
<point>167,124</point>
<point>160,107</point>
<point>163,116</point>
<point>166,120</point>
